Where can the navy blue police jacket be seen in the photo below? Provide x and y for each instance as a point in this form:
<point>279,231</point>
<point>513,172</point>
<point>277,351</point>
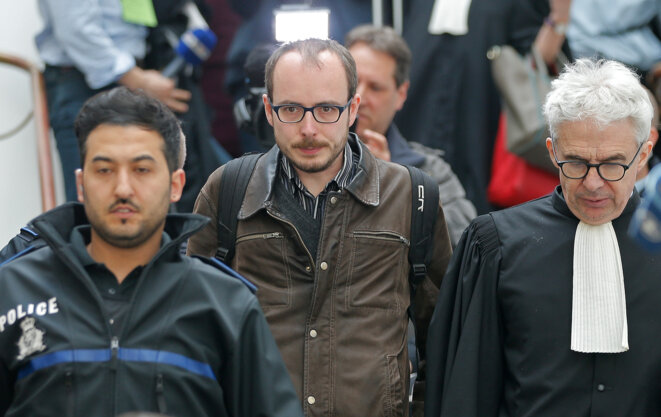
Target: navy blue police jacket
<point>193,343</point>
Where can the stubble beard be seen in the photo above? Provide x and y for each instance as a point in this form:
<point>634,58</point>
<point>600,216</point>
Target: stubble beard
<point>312,167</point>
<point>125,239</point>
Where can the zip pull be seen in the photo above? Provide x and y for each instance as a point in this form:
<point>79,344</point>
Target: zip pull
<point>114,346</point>
<point>114,351</point>
<point>271,235</point>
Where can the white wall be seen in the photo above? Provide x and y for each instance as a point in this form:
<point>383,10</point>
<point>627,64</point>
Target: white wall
<point>20,198</point>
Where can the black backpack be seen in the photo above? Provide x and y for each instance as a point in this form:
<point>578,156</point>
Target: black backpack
<point>424,200</point>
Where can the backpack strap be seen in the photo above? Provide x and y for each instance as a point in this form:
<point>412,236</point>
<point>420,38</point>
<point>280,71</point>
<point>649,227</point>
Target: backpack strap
<point>233,184</point>
<point>424,211</point>
<point>23,243</point>
<point>227,270</point>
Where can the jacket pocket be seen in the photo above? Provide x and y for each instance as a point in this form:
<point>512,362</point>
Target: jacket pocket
<point>377,272</point>
<point>263,259</point>
<point>398,377</point>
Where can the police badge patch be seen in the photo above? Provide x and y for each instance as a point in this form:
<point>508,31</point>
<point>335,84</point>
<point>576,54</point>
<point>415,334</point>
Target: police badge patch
<point>32,339</point>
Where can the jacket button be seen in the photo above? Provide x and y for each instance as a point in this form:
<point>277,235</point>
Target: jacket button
<point>311,400</point>
<point>601,387</point>
<point>313,333</point>
<point>333,200</point>
<point>308,269</point>
<point>323,266</point>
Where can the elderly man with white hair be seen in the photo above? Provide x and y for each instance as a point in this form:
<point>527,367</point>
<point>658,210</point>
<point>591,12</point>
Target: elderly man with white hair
<point>549,308</point>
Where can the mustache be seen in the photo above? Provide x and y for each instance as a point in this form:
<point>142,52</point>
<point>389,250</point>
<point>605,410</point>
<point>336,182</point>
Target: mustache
<point>308,143</point>
<point>596,196</point>
<point>124,202</point>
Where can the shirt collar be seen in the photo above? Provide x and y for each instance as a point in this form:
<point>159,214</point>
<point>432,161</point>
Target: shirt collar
<point>341,180</point>
<point>400,151</point>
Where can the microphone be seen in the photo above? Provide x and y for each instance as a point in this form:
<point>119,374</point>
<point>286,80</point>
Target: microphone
<point>194,47</point>
<point>645,226</point>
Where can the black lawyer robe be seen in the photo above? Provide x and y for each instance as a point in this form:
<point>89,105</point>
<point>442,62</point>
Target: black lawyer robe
<point>499,340</point>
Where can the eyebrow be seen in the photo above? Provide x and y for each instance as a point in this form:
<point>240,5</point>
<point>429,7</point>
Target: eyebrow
<point>322,103</point>
<point>613,158</point>
<point>138,158</point>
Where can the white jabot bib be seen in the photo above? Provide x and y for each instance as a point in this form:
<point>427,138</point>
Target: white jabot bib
<point>599,310</point>
<point>449,16</point>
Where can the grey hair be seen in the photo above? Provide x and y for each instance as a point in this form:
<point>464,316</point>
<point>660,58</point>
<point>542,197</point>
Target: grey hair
<point>601,91</point>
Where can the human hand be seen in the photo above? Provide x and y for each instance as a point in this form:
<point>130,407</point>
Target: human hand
<point>376,143</point>
<point>560,10</point>
<point>156,85</point>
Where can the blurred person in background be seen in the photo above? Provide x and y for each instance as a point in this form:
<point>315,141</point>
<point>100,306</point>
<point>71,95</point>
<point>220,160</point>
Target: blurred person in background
<point>382,61</point>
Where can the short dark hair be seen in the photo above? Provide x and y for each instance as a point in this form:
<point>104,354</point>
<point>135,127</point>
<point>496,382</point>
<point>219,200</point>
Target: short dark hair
<point>123,107</point>
<point>384,39</point>
<point>310,50</point>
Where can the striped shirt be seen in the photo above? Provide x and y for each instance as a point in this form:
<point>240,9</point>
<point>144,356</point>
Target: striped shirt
<point>314,206</point>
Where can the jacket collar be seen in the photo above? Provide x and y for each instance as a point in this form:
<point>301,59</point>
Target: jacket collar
<point>259,195</point>
<point>55,225</point>
<point>400,151</point>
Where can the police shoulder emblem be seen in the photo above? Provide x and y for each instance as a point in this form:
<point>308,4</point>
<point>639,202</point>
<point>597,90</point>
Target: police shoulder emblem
<point>32,339</point>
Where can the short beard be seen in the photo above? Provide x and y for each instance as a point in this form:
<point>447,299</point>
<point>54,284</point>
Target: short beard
<point>125,241</point>
<point>312,169</point>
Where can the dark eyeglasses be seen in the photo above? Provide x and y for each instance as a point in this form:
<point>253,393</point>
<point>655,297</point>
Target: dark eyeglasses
<point>608,171</point>
<point>322,113</point>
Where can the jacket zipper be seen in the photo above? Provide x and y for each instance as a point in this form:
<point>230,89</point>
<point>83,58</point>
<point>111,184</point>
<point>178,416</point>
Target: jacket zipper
<point>389,236</point>
<point>274,235</point>
<point>160,397</point>
<point>114,351</point>
<point>300,239</point>
<point>68,386</point>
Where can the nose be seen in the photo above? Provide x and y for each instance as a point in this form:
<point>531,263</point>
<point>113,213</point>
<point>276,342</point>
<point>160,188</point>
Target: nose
<point>123,187</point>
<point>593,181</point>
<point>308,124</point>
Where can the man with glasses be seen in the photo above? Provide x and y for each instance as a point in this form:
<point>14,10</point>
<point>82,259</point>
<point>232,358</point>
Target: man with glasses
<point>324,232</point>
<point>549,308</point>
<point>383,60</point>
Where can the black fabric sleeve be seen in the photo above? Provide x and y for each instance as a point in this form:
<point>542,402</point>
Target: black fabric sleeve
<point>6,388</point>
<point>258,381</point>
<point>465,340</point>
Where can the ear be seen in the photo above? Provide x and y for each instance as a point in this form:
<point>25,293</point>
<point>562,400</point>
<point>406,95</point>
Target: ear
<point>402,93</point>
<point>79,185</point>
<point>267,109</point>
<point>549,146</point>
<point>353,108</point>
<point>654,136</point>
<point>645,153</point>
<point>178,180</point>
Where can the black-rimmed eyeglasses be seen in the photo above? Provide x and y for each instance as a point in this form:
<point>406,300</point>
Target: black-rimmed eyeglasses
<point>608,171</point>
<point>322,113</point>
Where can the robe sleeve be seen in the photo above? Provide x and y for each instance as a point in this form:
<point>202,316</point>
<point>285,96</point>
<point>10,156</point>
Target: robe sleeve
<point>465,341</point>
